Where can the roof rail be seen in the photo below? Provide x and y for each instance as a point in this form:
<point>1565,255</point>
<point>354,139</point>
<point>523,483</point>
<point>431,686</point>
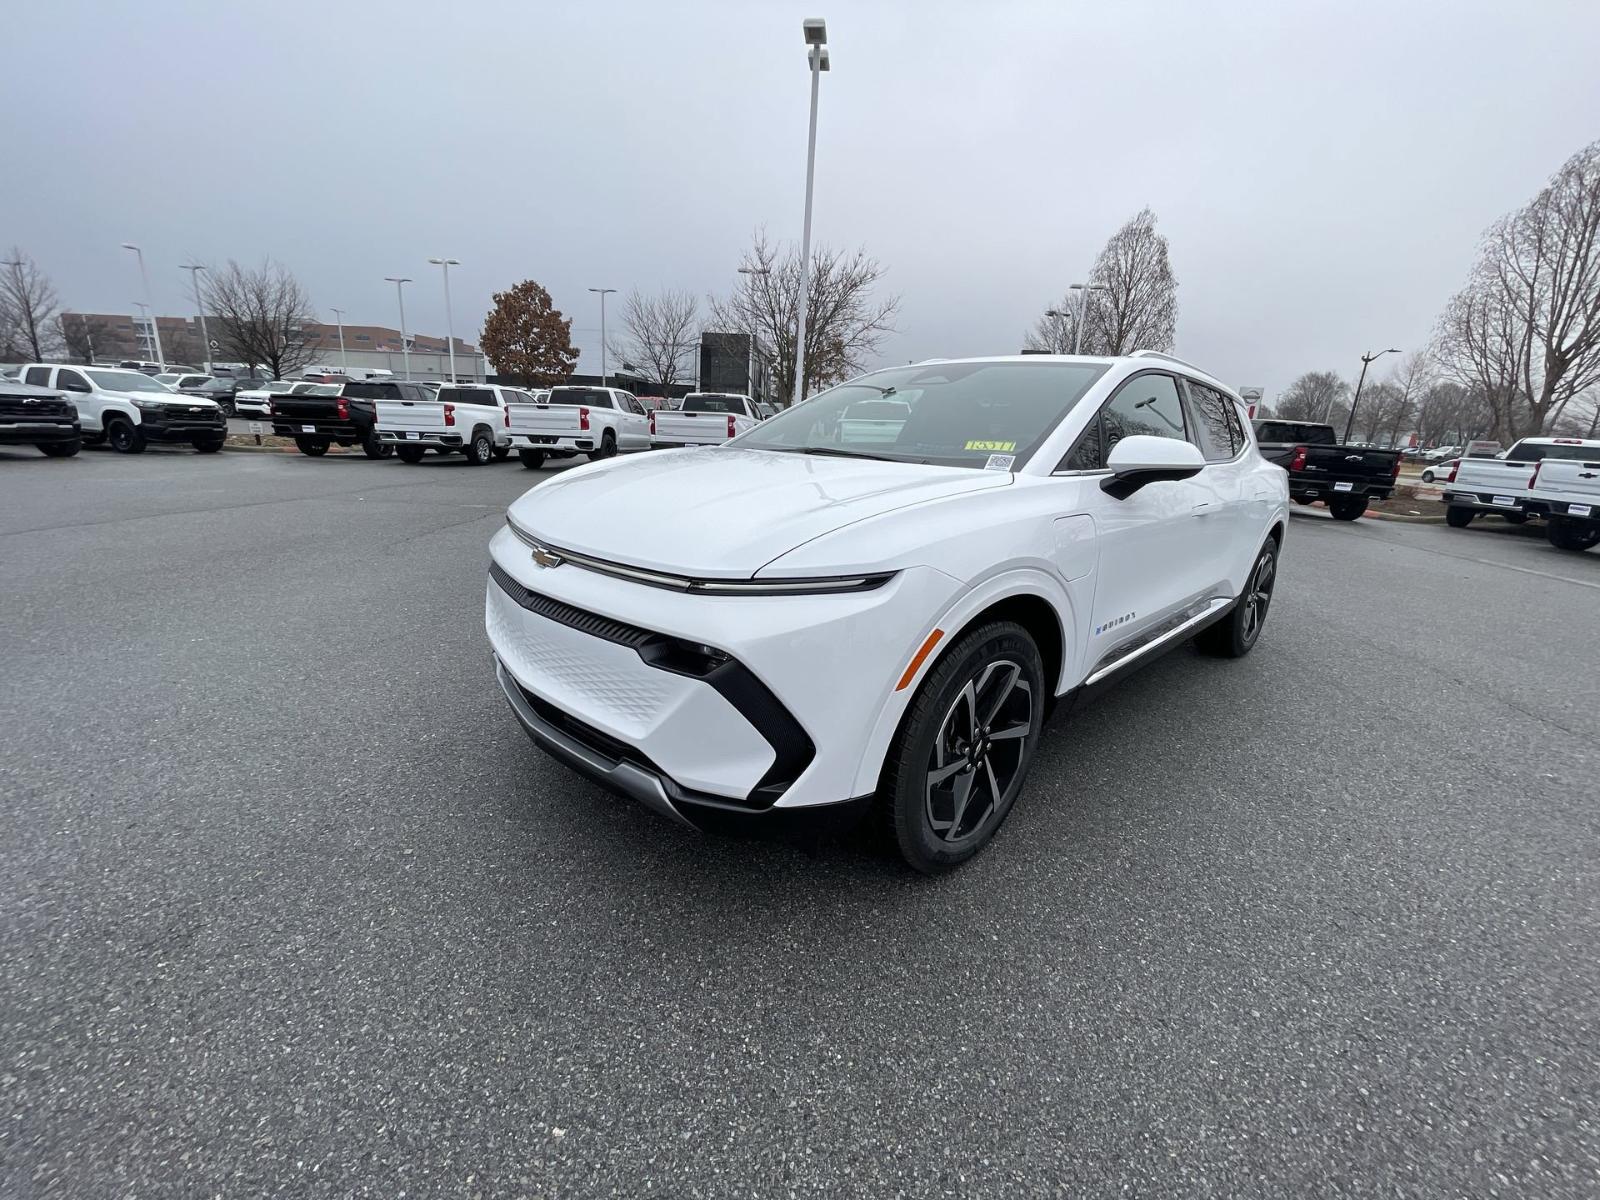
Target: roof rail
<point>1171,358</point>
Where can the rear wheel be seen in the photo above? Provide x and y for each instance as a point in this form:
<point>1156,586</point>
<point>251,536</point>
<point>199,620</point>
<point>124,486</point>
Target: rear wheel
<point>373,448</point>
<point>480,450</point>
<point>411,454</point>
<point>60,449</point>
<point>1567,535</point>
<point>1347,508</point>
<point>532,459</point>
<point>1235,634</point>
<point>1427,477</point>
<point>208,444</point>
<point>124,436</point>
<point>312,447</point>
<point>964,747</point>
<point>608,446</point>
<point>1458,516</point>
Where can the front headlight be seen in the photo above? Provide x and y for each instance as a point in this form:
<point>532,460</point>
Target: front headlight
<point>151,404</point>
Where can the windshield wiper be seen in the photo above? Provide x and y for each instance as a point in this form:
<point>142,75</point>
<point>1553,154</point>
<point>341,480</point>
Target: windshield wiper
<point>836,452</point>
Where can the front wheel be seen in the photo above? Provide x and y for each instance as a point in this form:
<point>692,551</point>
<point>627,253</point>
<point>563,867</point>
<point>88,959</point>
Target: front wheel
<point>1567,535</point>
<point>208,445</point>
<point>532,459</point>
<point>125,437</point>
<point>312,447</point>
<point>1347,508</point>
<point>60,449</point>
<point>1236,634</point>
<point>1458,516</point>
<point>373,448</point>
<point>480,450</point>
<point>411,454</point>
<point>964,747</point>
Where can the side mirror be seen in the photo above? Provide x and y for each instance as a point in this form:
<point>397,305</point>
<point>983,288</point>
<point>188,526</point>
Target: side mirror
<point>1139,459</point>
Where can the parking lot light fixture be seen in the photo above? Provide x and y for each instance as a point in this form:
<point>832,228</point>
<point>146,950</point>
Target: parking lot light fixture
<point>1083,290</point>
<point>1367,360</point>
<point>194,270</point>
<point>405,350</point>
<point>603,293</point>
<point>344,359</point>
<point>815,30</point>
<point>155,334</point>
<point>449,319</point>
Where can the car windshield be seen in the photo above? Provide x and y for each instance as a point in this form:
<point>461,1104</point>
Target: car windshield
<point>1294,431</point>
<point>322,389</point>
<point>277,387</point>
<point>958,414</point>
<point>128,381</point>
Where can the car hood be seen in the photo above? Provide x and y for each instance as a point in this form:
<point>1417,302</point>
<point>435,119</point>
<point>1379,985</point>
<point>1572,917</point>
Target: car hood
<point>176,398</point>
<point>725,512</point>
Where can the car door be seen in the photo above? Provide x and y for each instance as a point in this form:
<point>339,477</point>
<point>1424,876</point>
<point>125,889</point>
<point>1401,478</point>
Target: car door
<point>1153,546</point>
<point>1238,495</point>
<point>82,394</point>
<point>634,430</point>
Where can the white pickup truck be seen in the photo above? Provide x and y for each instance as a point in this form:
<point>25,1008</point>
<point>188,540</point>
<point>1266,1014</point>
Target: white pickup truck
<point>1566,493</point>
<point>1500,484</point>
<point>706,419</point>
<point>465,418</point>
<point>572,420</point>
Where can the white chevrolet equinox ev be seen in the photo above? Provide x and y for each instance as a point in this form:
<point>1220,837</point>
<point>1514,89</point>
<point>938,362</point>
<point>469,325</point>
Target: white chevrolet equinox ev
<point>825,615</point>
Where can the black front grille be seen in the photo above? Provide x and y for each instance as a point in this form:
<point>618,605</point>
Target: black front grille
<point>12,408</point>
<point>565,614</point>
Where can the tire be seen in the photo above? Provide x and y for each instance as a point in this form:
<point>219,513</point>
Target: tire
<point>207,445</point>
<point>373,448</point>
<point>312,447</point>
<point>501,453</point>
<point>1236,634</point>
<point>931,821</point>
<point>411,454</point>
<point>1458,516</point>
<point>608,447</point>
<point>532,459</point>
<point>1427,477</point>
<point>229,408</point>
<point>125,437</point>
<point>480,450</point>
<point>1347,508</point>
<point>60,449</point>
<point>1567,535</point>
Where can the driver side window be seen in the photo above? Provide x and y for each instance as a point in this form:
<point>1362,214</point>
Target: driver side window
<point>1147,404</point>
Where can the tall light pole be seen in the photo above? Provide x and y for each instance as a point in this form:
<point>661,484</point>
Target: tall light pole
<point>194,270</point>
<point>155,333</point>
<point>449,319</point>
<point>1367,360</point>
<point>602,293</point>
<point>144,321</point>
<point>1058,315</point>
<point>344,359</point>
<point>1083,290</point>
<point>815,30</point>
<point>405,351</point>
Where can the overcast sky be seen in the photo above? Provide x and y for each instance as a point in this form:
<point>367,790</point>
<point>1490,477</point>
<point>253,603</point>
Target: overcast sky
<point>1322,170</point>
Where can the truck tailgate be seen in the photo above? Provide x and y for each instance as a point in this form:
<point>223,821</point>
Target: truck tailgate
<point>1573,482</point>
<point>411,416</point>
<point>704,428</point>
<point>546,420</point>
<point>1490,475</point>
<point>1349,462</point>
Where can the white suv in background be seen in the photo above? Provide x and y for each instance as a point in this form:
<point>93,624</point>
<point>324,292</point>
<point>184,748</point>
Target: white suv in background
<point>819,617</point>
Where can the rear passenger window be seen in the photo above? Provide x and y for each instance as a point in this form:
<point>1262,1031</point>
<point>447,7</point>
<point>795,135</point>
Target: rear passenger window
<point>1213,433</point>
<point>38,376</point>
<point>1236,428</point>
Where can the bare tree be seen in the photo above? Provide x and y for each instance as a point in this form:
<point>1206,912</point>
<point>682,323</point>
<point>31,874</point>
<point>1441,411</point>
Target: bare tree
<point>1055,334</point>
<point>1132,297</point>
<point>1408,383</point>
<point>28,308</point>
<point>262,316</point>
<point>84,338</point>
<point>661,333</point>
<point>1525,331</point>
<point>845,322</point>
<point>1315,396</point>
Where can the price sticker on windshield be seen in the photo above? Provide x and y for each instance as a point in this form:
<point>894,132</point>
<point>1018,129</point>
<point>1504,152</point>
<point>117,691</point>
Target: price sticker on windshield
<point>999,462</point>
<point>997,446</point>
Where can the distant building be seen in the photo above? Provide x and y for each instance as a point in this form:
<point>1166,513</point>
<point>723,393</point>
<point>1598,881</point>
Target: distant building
<point>737,362</point>
<point>108,337</point>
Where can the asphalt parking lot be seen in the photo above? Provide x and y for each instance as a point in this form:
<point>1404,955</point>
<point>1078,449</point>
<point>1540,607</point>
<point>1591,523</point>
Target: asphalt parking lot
<point>290,906</point>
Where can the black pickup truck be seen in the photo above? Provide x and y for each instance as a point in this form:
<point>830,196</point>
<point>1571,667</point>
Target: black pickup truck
<point>340,412</point>
<point>36,416</point>
<point>1346,477</point>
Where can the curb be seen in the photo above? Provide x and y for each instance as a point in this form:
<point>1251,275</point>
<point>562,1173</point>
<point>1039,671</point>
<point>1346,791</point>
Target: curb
<point>249,449</point>
<point>1384,516</point>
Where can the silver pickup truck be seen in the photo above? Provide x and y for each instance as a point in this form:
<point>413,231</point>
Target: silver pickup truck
<point>1565,492</point>
<point>1501,484</point>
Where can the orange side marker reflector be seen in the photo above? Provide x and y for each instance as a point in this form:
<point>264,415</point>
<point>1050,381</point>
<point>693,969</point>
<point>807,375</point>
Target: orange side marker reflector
<point>917,660</point>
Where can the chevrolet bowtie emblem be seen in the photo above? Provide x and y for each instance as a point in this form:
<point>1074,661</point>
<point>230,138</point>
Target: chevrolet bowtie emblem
<point>547,559</point>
